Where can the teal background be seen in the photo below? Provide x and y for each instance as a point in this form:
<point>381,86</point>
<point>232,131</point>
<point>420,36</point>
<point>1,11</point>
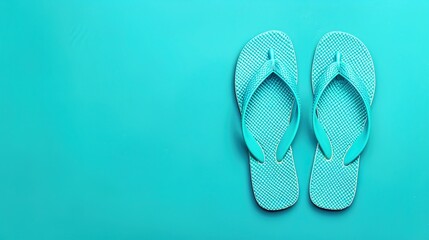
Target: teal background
<point>119,121</point>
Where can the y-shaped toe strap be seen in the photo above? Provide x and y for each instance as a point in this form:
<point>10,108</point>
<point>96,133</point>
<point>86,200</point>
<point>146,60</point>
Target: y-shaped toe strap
<point>338,67</point>
<point>271,66</point>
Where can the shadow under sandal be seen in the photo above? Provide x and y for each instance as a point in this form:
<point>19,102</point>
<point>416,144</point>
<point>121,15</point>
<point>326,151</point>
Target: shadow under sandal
<point>343,81</point>
<point>266,90</point>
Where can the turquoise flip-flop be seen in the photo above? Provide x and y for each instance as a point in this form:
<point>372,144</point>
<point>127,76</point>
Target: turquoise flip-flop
<point>266,78</point>
<point>343,81</point>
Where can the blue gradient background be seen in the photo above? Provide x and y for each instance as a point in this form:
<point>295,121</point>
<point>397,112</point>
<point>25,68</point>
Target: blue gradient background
<point>119,121</point>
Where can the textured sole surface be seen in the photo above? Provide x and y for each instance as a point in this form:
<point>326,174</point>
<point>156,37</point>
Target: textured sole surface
<point>343,116</point>
<point>275,183</point>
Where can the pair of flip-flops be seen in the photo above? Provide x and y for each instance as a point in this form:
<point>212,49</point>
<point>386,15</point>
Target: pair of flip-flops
<point>266,86</point>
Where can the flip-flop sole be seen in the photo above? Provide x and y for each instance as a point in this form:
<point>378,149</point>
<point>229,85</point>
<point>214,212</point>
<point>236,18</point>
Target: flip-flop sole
<point>275,183</point>
<point>343,116</point>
